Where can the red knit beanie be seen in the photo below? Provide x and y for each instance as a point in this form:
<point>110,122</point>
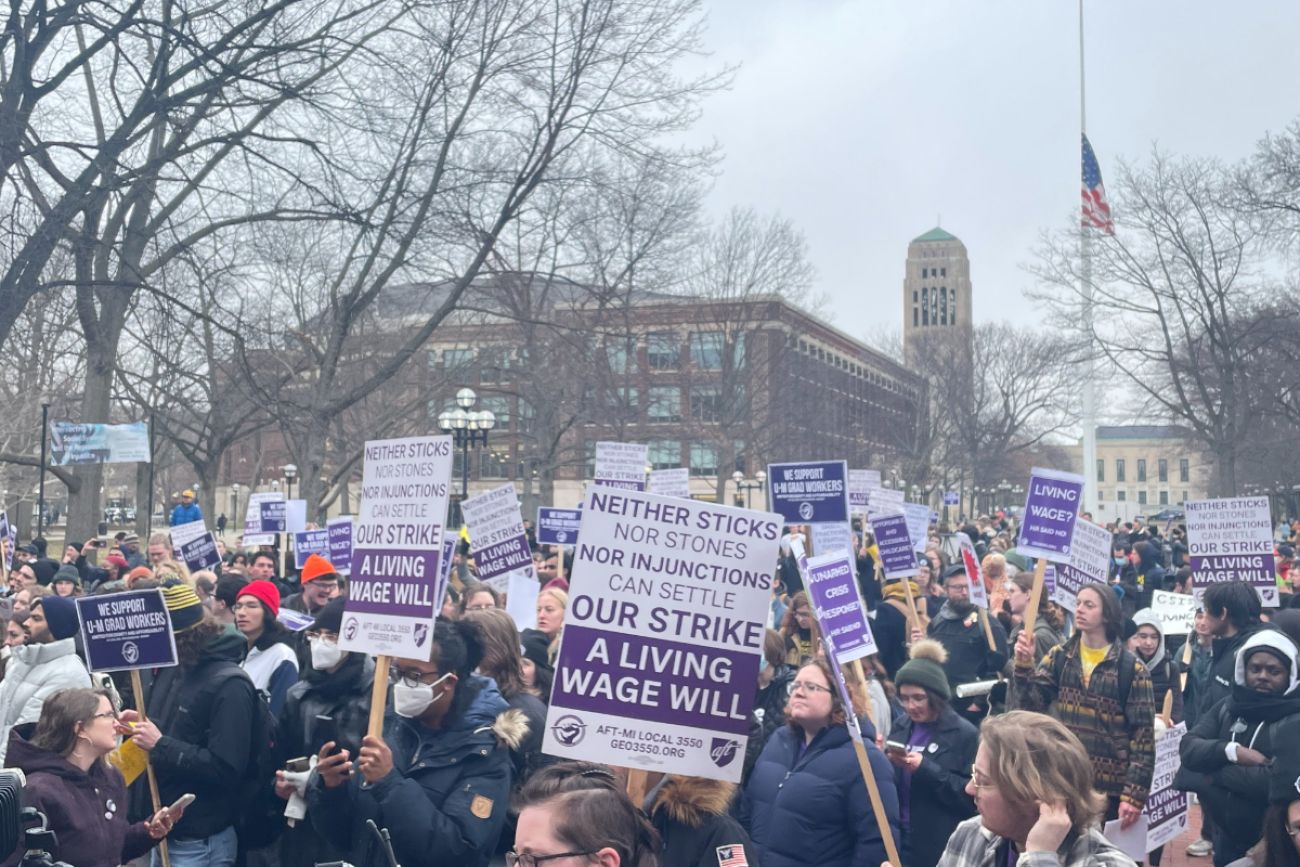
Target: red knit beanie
<point>265,592</point>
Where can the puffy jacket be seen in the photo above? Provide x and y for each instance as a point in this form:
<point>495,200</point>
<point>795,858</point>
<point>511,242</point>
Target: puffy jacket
<point>811,806</point>
<point>34,673</point>
<point>183,514</point>
<point>1222,669</point>
<point>205,713</point>
<point>690,814</point>
<point>85,809</point>
<point>937,799</point>
<point>444,802</point>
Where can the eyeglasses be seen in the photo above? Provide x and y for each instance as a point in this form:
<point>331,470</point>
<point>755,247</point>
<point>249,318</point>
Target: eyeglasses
<point>108,714</point>
<point>810,688</point>
<point>513,859</point>
<point>325,635</point>
<point>412,678</point>
<point>979,781</point>
<point>1293,831</point>
<point>484,607</point>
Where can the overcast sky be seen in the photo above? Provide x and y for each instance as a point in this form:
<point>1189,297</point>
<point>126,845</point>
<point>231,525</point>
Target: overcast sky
<point>863,120</point>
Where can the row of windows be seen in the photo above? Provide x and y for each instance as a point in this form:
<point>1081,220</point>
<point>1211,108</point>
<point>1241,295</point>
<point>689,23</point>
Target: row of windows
<point>705,351</point>
<point>933,272</point>
<point>934,305</point>
<point>1162,470</point>
<point>1122,496</point>
<point>664,403</point>
<point>702,458</point>
<point>849,366</point>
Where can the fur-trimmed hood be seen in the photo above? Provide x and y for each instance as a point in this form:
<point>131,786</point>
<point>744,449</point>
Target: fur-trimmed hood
<point>511,728</point>
<point>691,800</point>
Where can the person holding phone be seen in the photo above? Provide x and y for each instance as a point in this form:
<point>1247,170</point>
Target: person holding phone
<point>82,796</point>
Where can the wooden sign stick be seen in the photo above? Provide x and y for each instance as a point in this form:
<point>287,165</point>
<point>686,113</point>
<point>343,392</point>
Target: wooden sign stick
<point>137,688</point>
<point>1035,596</point>
<point>988,629</point>
<point>379,697</point>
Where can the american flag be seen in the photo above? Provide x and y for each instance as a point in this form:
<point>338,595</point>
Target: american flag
<point>1096,213</point>
<point>732,856</point>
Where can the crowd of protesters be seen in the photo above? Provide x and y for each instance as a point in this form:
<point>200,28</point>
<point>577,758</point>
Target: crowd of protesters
<point>988,742</point>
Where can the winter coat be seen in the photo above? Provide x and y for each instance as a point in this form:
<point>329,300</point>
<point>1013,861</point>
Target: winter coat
<point>937,799</point>
<point>1222,669</point>
<point>1199,674</point>
<point>85,809</point>
<point>962,635</point>
<point>810,806</point>
<point>206,714</point>
<point>972,845</point>
<point>527,756</point>
<point>273,670</point>
<point>34,673</point>
<point>1046,637</point>
<point>445,801</point>
<point>1119,738</point>
<point>893,627</point>
<point>183,514</point>
<point>690,814</point>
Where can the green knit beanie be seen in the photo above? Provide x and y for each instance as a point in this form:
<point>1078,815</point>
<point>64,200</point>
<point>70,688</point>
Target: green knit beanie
<point>925,668</point>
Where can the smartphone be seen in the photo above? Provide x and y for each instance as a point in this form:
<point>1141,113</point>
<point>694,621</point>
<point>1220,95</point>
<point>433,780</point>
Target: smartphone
<point>327,730</point>
<point>895,747</point>
<point>181,803</point>
<point>298,765</point>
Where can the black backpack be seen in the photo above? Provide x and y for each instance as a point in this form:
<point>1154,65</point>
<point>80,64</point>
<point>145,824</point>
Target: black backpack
<point>260,818</point>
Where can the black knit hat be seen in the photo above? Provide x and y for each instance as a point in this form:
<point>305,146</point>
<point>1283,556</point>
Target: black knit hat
<point>925,668</point>
<point>329,618</point>
<point>535,647</point>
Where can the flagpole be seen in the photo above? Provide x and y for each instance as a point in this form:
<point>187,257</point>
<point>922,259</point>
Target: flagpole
<point>1089,401</point>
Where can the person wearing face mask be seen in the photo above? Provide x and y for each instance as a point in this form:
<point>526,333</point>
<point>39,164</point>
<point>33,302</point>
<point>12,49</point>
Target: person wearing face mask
<point>329,703</point>
<point>438,779</point>
<point>1226,757</point>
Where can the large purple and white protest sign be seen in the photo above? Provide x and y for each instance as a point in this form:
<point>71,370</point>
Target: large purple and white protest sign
<point>340,536</point>
<point>496,531</point>
<point>833,588</point>
<point>197,546</point>
<point>273,516</point>
<point>674,482</point>
<point>918,524</point>
<point>125,631</point>
<point>951,498</point>
<point>621,465</point>
<point>396,547</point>
<point>1166,807</point>
<point>253,534</point>
<point>558,526</point>
<point>882,501</point>
<point>810,492</point>
<point>1051,508</point>
<point>663,634</point>
<point>310,542</point>
<point>894,544</point>
<point>1088,562</point>
<point>860,484</point>
<point>1231,539</point>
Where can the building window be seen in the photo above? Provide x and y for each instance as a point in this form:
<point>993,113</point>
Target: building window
<point>1142,498</point>
<point>704,459</point>
<point>662,351</point>
<point>1101,470</point>
<point>492,363</point>
<point>916,296</point>
<point>1164,498</point>
<point>494,464</point>
<point>1184,499</point>
<point>616,354</point>
<point>1184,473</point>
<point>500,406</point>
<point>453,359</point>
<point>1121,496</point>
<point>925,272</point>
<point>664,404</point>
<point>1142,469</point>
<point>1162,469</point>
<point>916,316</point>
<point>664,454</point>
<point>706,403</point>
<point>588,460</point>
<point>527,416</point>
<point>1119,470</point>
<point>623,397</point>
<point>952,306</point>
<point>706,350</point>
<point>943,272</point>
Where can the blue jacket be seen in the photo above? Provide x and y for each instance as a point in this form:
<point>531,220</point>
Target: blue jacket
<point>186,514</point>
<point>444,802</point>
<point>814,808</point>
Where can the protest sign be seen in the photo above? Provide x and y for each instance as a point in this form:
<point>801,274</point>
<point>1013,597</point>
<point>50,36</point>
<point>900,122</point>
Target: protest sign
<point>496,529</point>
<point>295,621</point>
<point>272,517</point>
<point>253,533</point>
<point>558,526</point>
<point>295,516</point>
<point>521,599</point>
<point>828,538</point>
<point>73,444</point>
<point>918,525</point>
<point>661,645</point>
<point>197,546</point>
<point>881,501</point>
<point>974,574</point>
<point>674,482</point>
<point>860,484</point>
<point>621,465</point>
<point>1088,562</point>
<point>310,542</point>
<point>13,545</point>
<point>1166,807</point>
<point>396,548</point>
<point>340,536</point>
<point>811,492</point>
<point>126,631</point>
<point>1049,584</point>
<point>1231,539</point>
<point>1177,612</point>
<point>448,554</point>
<point>1051,508</point>
<point>894,545</point>
<point>833,590</point>
<point>951,498</point>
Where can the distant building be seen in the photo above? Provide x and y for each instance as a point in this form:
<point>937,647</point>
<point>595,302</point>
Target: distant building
<point>936,288</point>
<point>1145,469</point>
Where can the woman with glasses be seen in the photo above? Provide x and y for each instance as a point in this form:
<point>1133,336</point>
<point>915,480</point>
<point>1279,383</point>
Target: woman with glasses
<point>806,802</point>
<point>575,813</point>
<point>82,796</point>
<point>329,705</point>
<point>934,766</point>
<point>1032,785</point>
<point>439,778</point>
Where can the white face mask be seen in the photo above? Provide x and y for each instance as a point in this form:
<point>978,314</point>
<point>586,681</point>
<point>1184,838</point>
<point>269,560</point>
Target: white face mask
<point>325,654</point>
<point>411,701</point>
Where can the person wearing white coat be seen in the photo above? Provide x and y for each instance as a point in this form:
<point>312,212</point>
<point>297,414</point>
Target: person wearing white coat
<point>42,667</point>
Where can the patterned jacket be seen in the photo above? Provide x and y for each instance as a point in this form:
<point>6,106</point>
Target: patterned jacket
<point>1119,738</point>
<point>971,845</point>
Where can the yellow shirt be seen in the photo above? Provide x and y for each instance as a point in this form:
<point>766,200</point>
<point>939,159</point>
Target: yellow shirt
<point>1090,658</point>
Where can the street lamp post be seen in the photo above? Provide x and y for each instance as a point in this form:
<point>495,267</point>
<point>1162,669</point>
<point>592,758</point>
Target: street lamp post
<point>759,484</point>
<point>468,428</point>
<point>234,509</point>
<point>45,438</point>
<point>290,473</point>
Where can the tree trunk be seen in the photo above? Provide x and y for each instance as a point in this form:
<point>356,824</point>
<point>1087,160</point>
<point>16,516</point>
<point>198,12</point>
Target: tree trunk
<point>85,508</point>
<point>1225,469</point>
